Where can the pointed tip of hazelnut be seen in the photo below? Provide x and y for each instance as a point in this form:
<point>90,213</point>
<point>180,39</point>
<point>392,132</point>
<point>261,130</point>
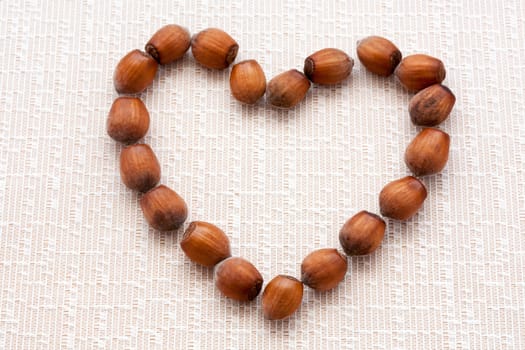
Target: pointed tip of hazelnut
<point>152,51</point>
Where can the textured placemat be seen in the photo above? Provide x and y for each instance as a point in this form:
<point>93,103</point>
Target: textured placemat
<point>80,268</point>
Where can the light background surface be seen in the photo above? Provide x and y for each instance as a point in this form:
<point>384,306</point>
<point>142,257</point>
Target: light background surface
<point>81,269</point>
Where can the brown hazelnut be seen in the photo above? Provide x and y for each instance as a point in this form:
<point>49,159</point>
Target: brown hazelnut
<point>379,55</point>
<point>328,66</point>
<point>401,199</point>
<point>362,233</point>
<point>135,72</point>
<point>163,208</point>
<point>247,81</point>
<point>139,167</point>
<point>432,105</point>
<point>323,269</point>
<point>238,279</point>
<point>282,297</point>
<point>214,48</point>
<point>128,120</point>
<point>169,43</point>
<point>428,152</point>
<point>205,243</point>
<point>287,89</point>
<point>417,72</point>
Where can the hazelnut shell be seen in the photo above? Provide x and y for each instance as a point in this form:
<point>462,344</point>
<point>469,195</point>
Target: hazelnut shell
<point>163,208</point>
<point>128,120</point>
<point>134,72</point>
<point>419,71</point>
<point>139,167</point>
<point>247,81</point>
<point>287,89</point>
<point>328,66</point>
<point>205,244</point>
<point>169,43</point>
<point>427,154</point>
<point>362,233</point>
<point>282,297</point>
<point>431,106</point>
<point>379,55</point>
<point>214,48</point>
<point>323,269</point>
<point>402,198</point>
<point>238,279</point>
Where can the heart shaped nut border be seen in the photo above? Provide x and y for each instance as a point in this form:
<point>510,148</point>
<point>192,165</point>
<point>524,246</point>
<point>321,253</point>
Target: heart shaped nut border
<point>206,244</point>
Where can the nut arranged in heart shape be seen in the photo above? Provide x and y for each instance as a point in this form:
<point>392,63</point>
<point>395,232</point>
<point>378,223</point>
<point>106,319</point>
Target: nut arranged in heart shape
<point>205,243</point>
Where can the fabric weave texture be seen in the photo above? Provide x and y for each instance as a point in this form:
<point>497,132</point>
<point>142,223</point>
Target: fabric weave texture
<point>81,269</point>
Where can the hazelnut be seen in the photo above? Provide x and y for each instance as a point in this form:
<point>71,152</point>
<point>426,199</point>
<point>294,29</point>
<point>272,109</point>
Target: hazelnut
<point>401,199</point>
<point>323,269</point>
<point>432,105</point>
<point>214,48</point>
<point>428,152</point>
<point>139,167</point>
<point>379,55</point>
<point>135,72</point>
<point>128,120</point>
<point>169,43</point>
<point>417,72</point>
<point>205,243</point>
<point>328,66</point>
<point>238,279</point>
<point>362,233</point>
<point>287,89</point>
<point>163,208</point>
<point>281,297</point>
<point>247,81</point>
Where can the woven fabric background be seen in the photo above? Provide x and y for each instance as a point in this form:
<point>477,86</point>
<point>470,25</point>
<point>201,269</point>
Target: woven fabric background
<point>81,269</point>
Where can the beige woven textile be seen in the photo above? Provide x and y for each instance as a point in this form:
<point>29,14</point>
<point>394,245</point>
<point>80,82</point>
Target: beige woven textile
<point>81,269</point>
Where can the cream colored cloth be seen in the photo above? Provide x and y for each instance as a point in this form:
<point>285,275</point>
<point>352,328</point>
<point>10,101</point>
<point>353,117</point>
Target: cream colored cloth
<point>81,269</point>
